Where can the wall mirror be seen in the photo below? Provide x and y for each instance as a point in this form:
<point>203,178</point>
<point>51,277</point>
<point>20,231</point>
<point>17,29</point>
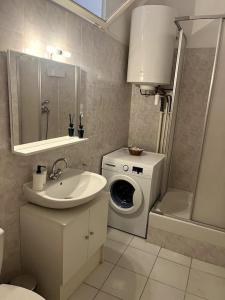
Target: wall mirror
<point>42,94</point>
<point>99,12</point>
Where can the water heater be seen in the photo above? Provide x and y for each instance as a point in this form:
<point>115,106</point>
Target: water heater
<point>152,41</point>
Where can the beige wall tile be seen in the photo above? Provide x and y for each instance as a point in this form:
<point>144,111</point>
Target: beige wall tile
<point>144,121</point>
<point>104,93</point>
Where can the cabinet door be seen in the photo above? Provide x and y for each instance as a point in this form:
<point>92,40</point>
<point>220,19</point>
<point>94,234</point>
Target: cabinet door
<point>98,223</point>
<point>75,244</point>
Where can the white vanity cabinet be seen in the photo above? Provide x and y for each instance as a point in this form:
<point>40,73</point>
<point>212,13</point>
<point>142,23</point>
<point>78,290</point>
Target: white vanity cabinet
<point>61,247</point>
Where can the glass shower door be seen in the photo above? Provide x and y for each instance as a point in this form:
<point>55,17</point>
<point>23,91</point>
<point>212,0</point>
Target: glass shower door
<point>209,207</point>
<point>187,132</point>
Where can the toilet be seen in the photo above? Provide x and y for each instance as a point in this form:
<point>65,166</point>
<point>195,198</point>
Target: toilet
<point>12,292</point>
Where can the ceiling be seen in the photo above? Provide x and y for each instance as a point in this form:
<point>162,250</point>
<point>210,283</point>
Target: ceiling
<point>120,28</point>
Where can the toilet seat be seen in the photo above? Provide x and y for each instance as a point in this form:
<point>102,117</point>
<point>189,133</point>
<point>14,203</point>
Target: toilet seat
<point>12,292</point>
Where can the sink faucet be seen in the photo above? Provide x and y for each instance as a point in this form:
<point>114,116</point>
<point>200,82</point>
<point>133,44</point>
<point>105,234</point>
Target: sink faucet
<point>57,172</point>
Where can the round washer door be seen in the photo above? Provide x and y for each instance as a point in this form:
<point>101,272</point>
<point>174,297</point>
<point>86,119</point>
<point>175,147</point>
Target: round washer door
<point>126,194</point>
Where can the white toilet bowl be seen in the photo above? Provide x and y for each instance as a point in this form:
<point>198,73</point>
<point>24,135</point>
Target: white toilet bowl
<point>12,292</point>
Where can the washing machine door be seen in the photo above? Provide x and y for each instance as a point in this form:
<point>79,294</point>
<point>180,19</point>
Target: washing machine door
<point>126,194</point>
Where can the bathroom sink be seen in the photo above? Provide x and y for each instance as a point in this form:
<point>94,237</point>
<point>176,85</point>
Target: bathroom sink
<point>73,188</point>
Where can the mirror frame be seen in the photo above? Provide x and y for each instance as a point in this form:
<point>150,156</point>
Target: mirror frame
<point>87,15</point>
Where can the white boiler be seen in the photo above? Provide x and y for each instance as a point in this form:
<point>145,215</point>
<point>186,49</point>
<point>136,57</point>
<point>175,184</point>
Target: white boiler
<point>152,41</point>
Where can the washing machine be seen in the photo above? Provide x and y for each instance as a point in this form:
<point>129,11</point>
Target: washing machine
<point>134,185</point>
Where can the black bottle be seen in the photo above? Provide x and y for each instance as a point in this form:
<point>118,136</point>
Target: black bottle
<point>80,131</point>
<point>71,126</point>
<point>71,131</point>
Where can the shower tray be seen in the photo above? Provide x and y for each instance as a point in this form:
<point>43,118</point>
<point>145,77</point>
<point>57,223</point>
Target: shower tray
<point>175,203</point>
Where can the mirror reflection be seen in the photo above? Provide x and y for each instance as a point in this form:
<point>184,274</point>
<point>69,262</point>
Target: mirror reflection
<point>43,95</point>
<point>103,9</point>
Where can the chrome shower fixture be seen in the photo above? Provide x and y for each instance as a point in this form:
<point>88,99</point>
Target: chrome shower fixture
<point>44,106</point>
<point>45,110</point>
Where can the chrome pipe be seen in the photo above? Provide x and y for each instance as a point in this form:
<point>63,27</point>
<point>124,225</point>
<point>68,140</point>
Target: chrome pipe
<point>174,105</point>
<point>179,27</point>
<point>159,132</point>
<point>199,17</point>
<point>195,18</point>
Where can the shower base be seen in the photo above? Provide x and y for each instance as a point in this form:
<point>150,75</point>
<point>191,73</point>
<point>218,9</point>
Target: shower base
<point>176,203</point>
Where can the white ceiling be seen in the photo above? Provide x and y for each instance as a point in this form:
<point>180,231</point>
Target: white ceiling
<point>120,29</point>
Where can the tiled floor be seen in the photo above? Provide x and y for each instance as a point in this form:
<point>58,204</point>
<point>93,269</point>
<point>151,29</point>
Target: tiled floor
<point>136,270</point>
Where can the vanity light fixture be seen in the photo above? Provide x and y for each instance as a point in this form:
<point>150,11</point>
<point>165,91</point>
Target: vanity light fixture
<point>34,47</point>
<point>57,51</point>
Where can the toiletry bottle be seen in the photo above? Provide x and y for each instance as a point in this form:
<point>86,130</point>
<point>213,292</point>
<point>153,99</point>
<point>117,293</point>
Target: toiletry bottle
<point>71,130</point>
<point>71,125</point>
<point>39,178</point>
<point>80,129</point>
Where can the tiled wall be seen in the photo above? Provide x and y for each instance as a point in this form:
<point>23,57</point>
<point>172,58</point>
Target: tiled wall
<point>144,118</point>
<point>144,121</point>
<point>34,24</point>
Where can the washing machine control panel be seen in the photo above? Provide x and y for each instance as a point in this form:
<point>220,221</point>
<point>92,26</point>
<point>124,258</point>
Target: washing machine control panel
<point>137,170</point>
<point>126,168</point>
<point>133,169</point>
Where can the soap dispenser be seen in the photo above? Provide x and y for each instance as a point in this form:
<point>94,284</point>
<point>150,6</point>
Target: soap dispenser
<point>39,178</point>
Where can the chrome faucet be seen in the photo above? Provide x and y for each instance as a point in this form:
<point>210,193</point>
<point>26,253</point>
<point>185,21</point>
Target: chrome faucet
<point>57,172</point>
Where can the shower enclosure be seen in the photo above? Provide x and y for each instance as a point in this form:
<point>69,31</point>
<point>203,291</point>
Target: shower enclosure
<point>194,176</point>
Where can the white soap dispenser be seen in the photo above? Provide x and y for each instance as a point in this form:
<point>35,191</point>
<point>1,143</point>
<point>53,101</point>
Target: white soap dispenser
<point>39,178</point>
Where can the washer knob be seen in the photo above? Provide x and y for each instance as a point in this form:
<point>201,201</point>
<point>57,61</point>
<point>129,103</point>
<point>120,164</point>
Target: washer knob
<point>125,168</point>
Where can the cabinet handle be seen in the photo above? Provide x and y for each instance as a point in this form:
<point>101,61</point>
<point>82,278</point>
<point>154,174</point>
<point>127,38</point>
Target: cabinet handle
<point>86,237</point>
<point>91,233</point>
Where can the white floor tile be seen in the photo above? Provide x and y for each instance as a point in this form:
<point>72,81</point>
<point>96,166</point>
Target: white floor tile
<point>84,292</point>
<point>143,245</point>
<point>104,296</point>
<point>206,285</point>
<point>119,236</point>
<point>192,297</point>
<point>209,268</point>
<point>99,275</point>
<point>113,250</point>
<point>125,284</point>
<point>170,273</point>
<point>175,257</point>
<point>157,291</point>
<point>137,261</point>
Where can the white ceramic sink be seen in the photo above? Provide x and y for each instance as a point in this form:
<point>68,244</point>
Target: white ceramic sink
<point>73,188</point>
